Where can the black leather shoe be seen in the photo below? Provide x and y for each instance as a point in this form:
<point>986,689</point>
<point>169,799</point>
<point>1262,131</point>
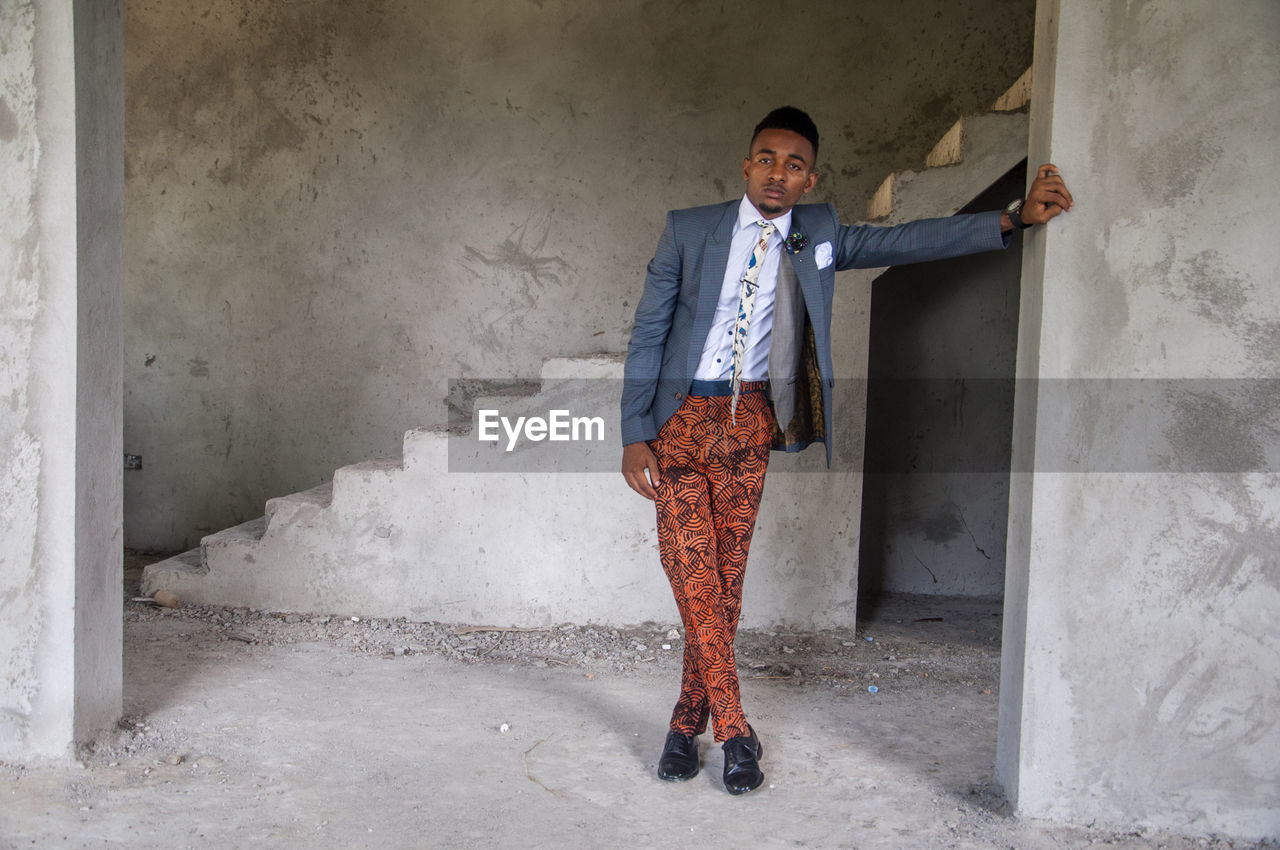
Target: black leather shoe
<point>679,760</point>
<point>741,769</point>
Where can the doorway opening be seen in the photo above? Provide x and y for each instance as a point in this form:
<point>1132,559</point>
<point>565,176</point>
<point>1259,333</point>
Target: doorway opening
<point>935,503</point>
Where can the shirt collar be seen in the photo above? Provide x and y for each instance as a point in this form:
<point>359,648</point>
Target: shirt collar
<point>748,215</point>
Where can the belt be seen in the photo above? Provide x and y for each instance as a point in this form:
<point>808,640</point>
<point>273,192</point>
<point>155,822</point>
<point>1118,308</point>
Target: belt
<point>724,388</point>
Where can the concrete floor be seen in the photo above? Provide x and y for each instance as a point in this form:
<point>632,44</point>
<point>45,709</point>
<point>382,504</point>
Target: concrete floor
<point>247,729</point>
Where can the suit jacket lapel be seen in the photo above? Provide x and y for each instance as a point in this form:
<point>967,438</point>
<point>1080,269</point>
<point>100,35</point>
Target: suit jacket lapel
<point>803,263</point>
<point>810,284</point>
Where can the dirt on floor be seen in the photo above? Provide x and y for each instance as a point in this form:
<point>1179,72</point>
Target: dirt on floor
<point>252,728</point>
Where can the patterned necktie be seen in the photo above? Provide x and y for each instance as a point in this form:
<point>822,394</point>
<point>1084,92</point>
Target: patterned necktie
<point>746,303</point>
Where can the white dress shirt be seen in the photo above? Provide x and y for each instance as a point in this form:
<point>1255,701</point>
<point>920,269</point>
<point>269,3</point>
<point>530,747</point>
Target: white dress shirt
<point>717,353</point>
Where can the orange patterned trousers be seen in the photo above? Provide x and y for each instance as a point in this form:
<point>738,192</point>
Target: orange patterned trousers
<point>711,477</point>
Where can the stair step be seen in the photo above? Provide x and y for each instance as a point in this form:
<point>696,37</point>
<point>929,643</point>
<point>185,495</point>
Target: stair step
<point>382,464</point>
<point>574,368</point>
<point>881,206</point>
<point>354,478</point>
<point>320,496</point>
<point>250,531</point>
<point>1018,97</point>
<point>950,148</point>
<point>171,573</point>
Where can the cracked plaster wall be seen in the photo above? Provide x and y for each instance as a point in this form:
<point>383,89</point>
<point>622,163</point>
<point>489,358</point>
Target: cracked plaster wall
<point>335,208</point>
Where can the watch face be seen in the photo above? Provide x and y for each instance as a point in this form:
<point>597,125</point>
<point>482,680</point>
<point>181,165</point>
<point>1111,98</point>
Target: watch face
<point>1014,207</point>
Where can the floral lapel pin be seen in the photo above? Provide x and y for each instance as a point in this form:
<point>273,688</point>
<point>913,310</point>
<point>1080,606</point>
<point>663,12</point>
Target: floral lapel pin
<point>796,242</point>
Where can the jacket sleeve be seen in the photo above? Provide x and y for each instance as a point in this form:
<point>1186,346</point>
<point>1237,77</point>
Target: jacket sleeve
<point>654,314</point>
<point>865,246</point>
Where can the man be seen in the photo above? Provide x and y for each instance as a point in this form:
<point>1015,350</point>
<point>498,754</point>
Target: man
<point>730,356</point>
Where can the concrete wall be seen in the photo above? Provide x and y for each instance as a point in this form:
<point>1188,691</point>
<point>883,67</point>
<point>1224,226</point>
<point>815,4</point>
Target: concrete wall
<point>1141,663</point>
<point>61,220</point>
<point>333,208</point>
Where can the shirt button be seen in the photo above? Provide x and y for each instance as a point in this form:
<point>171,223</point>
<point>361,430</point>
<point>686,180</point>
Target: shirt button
<point>678,395</point>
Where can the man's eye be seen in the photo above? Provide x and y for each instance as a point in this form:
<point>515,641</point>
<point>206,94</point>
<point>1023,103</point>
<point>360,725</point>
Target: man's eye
<point>793,166</point>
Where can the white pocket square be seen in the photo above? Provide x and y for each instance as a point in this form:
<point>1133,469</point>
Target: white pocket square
<point>822,254</point>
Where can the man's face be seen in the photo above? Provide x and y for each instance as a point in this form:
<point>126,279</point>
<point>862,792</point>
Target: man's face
<point>779,171</point>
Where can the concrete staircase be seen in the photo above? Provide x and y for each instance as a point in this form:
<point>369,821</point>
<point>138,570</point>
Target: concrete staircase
<point>973,154</point>
<point>456,531</point>
<point>461,531</point>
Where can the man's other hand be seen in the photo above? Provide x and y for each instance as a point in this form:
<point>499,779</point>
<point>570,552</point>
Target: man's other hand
<point>1048,196</point>
<point>637,459</point>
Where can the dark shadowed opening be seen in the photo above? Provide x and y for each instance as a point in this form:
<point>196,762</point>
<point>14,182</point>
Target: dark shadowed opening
<point>943,346</point>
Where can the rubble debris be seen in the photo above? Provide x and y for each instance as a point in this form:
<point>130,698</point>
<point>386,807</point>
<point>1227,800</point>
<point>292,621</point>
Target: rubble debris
<point>829,659</point>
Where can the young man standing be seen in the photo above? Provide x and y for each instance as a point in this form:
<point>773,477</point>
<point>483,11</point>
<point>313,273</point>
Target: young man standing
<point>730,356</point>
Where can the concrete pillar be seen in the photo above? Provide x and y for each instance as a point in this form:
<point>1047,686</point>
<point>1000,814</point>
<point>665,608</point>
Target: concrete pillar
<point>1141,670</point>
<point>61,237</point>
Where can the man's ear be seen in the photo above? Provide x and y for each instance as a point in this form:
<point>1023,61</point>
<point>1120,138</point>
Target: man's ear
<point>811,181</point>
<point>746,164</point>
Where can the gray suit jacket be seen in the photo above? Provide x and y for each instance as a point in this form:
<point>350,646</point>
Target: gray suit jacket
<point>682,285</point>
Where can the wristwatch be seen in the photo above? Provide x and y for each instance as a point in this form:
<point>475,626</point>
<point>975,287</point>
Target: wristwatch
<point>1012,210</point>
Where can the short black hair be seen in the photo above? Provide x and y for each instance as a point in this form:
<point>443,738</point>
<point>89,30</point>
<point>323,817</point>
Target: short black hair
<point>793,119</point>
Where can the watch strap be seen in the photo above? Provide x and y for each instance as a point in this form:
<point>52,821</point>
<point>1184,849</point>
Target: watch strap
<point>1014,211</point>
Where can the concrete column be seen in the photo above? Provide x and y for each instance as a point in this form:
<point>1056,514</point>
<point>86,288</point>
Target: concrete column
<point>1141,669</point>
<point>61,237</point>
